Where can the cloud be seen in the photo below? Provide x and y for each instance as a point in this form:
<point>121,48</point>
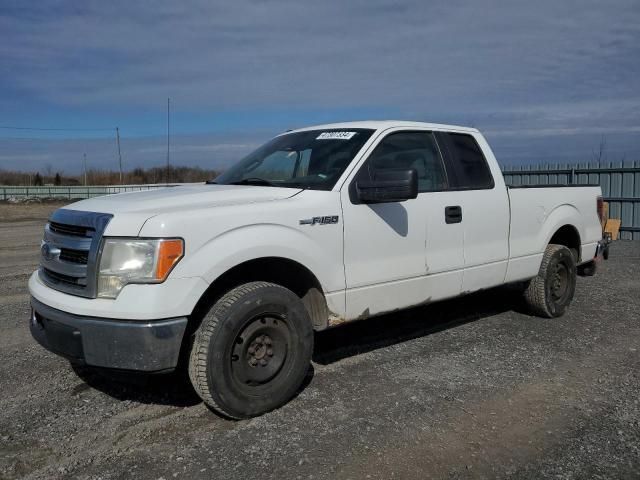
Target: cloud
<point>512,68</point>
<point>215,147</point>
<point>317,53</point>
<point>207,151</point>
<point>561,132</point>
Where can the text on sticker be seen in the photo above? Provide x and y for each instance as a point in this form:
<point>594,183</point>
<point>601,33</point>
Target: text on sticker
<point>336,136</point>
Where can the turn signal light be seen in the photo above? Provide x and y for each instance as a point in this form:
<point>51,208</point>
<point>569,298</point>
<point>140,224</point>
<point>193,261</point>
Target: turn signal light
<point>169,253</point>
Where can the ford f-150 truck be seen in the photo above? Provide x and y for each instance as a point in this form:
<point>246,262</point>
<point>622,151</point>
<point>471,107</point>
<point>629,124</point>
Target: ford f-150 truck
<point>318,227</point>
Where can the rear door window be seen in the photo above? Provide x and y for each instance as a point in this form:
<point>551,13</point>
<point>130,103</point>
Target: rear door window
<point>467,167</point>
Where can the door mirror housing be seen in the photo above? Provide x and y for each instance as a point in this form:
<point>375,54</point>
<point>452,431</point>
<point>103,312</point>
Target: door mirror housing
<point>388,186</point>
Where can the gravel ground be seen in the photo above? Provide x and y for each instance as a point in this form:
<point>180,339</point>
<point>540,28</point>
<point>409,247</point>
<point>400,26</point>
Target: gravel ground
<point>472,388</point>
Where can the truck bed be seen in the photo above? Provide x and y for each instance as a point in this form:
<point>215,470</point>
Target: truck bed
<point>538,211</point>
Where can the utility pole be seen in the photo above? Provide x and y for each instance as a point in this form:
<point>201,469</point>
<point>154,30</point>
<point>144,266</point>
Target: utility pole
<point>168,131</point>
<point>85,168</point>
<point>119,154</point>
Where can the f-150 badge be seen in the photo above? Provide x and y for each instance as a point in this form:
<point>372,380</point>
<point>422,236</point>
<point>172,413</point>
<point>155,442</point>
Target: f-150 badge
<point>320,220</point>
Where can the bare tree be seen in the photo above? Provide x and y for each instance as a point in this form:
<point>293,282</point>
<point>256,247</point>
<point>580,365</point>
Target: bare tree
<point>600,155</point>
<point>108,177</point>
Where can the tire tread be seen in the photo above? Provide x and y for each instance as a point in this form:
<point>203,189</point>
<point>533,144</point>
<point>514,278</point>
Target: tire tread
<point>535,293</point>
<point>198,357</point>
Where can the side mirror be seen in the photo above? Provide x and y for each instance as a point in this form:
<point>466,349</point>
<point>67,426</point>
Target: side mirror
<point>388,186</point>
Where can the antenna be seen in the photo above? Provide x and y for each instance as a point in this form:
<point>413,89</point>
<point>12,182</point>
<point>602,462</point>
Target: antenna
<point>168,131</point>
<point>119,154</point>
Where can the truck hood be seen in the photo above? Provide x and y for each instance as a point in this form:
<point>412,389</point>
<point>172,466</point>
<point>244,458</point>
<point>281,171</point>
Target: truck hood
<point>161,200</point>
<point>132,209</point>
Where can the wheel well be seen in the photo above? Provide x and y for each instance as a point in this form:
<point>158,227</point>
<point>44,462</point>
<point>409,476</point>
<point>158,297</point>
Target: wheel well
<point>570,238</point>
<point>282,271</point>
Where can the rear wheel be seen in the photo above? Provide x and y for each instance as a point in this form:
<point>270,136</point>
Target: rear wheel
<point>252,350</point>
<point>549,293</point>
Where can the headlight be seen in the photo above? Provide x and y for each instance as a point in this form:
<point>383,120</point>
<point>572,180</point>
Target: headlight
<point>132,260</point>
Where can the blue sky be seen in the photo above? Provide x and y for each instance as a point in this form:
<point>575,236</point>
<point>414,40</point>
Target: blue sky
<point>544,80</point>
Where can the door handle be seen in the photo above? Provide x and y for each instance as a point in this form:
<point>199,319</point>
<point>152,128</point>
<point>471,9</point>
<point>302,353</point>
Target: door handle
<point>453,214</point>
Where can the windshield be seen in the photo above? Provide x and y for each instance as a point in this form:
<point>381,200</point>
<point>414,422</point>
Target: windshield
<point>312,159</point>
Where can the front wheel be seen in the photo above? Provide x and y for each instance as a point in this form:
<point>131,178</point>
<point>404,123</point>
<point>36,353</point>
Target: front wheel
<point>252,350</point>
<point>549,294</point>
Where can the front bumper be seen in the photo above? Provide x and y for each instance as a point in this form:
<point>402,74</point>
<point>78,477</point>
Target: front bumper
<point>175,297</point>
<point>148,346</point>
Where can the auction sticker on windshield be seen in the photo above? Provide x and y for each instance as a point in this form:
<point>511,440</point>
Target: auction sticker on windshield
<point>336,136</point>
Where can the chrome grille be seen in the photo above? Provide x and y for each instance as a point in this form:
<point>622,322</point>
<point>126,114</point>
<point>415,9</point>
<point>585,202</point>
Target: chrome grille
<point>70,250</point>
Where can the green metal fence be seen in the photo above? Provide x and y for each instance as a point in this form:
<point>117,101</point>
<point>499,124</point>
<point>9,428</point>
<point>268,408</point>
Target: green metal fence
<point>71,193</point>
<point>620,182</point>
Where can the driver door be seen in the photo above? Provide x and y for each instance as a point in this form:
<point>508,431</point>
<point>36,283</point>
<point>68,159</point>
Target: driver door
<point>385,255</point>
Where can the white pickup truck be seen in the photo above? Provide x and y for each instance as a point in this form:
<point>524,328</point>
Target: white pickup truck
<point>318,227</point>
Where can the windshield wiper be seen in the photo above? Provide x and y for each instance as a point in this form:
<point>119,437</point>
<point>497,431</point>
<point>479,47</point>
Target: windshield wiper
<point>301,185</point>
<point>253,181</point>
<point>211,182</point>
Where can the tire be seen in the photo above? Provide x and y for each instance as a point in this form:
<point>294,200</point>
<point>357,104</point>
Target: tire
<point>549,294</point>
<point>252,351</point>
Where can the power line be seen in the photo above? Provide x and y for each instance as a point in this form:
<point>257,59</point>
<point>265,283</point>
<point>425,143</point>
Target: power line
<point>115,129</point>
<point>47,139</point>
<point>10,127</point>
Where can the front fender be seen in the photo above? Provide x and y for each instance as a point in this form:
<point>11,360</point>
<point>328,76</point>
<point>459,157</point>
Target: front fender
<point>241,244</point>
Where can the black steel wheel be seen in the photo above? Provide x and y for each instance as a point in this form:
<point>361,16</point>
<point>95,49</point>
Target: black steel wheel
<point>252,350</point>
<point>260,350</point>
<point>559,282</point>
<point>549,294</point>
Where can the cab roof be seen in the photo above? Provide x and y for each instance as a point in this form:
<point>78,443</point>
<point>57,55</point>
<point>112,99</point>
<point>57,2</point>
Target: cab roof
<point>386,124</point>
